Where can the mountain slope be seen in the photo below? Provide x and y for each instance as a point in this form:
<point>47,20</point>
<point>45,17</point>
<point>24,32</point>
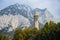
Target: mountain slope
<point>21,16</point>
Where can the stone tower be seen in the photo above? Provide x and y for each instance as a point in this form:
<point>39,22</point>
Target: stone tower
<point>36,24</point>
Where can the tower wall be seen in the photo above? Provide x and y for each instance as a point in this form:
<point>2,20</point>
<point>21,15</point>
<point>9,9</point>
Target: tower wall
<point>36,22</point>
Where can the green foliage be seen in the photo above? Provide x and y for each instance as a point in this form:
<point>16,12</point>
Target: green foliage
<point>50,31</point>
<point>4,37</point>
<point>26,34</point>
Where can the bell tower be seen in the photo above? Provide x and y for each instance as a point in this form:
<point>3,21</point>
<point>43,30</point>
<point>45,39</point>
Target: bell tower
<point>36,24</point>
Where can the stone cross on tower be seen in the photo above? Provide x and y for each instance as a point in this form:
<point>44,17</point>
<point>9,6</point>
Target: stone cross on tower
<point>36,24</point>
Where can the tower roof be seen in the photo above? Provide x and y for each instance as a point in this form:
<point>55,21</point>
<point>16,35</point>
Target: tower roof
<point>36,13</point>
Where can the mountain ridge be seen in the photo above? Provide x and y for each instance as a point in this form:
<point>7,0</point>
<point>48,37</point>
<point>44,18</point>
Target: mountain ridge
<point>23,15</point>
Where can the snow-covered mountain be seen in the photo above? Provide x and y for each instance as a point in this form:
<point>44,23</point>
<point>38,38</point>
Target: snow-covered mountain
<point>21,16</point>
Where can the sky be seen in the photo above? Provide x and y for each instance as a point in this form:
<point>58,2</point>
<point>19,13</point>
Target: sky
<point>52,5</point>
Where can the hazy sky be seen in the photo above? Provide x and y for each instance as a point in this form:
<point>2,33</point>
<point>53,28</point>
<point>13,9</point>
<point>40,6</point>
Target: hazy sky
<point>52,5</point>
